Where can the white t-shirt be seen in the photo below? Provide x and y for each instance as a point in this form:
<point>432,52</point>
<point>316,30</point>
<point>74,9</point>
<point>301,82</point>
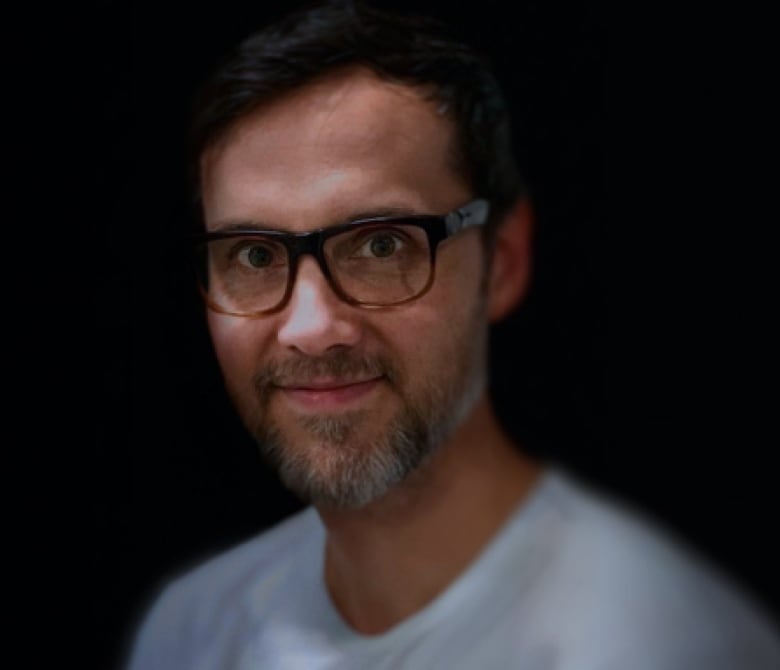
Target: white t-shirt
<point>573,581</point>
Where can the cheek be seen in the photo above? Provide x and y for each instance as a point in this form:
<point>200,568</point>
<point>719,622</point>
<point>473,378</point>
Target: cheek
<point>460,295</point>
<point>459,288</point>
<point>445,327</point>
<point>237,344</point>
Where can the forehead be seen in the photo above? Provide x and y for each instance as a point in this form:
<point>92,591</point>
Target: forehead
<point>343,146</point>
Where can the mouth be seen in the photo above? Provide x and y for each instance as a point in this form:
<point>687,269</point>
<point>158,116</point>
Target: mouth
<point>329,394</point>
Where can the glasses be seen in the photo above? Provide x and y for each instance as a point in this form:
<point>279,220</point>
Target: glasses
<point>377,262</point>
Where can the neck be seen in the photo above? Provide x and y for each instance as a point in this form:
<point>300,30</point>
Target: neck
<point>386,561</point>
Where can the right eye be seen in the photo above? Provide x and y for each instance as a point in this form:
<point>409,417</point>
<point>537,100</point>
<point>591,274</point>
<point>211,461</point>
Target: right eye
<point>256,255</point>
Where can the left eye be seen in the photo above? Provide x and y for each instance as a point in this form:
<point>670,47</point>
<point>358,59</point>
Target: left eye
<point>380,245</point>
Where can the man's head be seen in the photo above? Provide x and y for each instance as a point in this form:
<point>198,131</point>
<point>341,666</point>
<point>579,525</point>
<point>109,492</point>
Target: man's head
<point>348,400</point>
<point>414,50</point>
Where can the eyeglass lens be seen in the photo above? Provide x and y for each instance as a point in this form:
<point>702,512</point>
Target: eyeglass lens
<point>377,264</point>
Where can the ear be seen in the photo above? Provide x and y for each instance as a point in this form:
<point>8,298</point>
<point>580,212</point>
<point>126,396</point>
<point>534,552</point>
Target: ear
<point>510,269</point>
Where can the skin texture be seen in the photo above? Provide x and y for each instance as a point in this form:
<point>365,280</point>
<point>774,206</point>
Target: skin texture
<point>329,386</point>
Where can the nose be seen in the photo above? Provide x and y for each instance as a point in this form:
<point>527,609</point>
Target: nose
<point>316,319</point>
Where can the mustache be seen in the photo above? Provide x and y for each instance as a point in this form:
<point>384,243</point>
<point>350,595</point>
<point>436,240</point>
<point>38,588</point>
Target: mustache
<point>340,364</point>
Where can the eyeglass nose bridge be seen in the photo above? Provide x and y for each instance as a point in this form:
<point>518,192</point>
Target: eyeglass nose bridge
<point>310,243</point>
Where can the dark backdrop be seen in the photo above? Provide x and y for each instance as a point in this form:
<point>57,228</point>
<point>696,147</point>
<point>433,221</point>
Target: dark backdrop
<point>634,361</point>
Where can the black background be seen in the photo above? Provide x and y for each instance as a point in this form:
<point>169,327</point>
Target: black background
<point>637,359</point>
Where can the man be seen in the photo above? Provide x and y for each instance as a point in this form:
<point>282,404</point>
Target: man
<point>365,223</point>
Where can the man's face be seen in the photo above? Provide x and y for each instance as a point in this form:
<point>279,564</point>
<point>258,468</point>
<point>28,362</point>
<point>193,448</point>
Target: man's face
<point>344,400</point>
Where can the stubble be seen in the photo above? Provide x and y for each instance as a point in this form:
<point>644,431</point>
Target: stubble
<point>346,462</point>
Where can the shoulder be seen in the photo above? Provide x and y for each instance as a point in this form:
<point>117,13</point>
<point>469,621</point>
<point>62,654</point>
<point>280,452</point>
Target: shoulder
<point>622,577</point>
<point>252,560</point>
<point>199,602</point>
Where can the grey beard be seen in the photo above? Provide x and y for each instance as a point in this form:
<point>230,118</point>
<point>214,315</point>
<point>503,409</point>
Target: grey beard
<point>337,469</point>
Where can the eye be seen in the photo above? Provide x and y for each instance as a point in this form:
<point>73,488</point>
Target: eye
<point>257,255</point>
<point>381,244</point>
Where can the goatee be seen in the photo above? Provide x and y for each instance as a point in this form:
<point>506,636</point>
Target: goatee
<point>339,466</point>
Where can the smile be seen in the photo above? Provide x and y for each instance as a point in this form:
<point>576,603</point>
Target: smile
<point>324,395</point>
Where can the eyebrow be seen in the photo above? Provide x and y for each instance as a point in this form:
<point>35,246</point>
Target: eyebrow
<point>374,213</point>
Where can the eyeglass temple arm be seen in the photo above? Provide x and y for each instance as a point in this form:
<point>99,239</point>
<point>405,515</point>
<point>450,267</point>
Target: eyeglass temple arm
<point>474,213</point>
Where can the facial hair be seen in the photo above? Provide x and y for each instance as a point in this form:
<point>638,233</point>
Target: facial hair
<point>338,466</point>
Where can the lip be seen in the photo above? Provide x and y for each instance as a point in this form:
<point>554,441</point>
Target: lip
<point>324,395</point>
